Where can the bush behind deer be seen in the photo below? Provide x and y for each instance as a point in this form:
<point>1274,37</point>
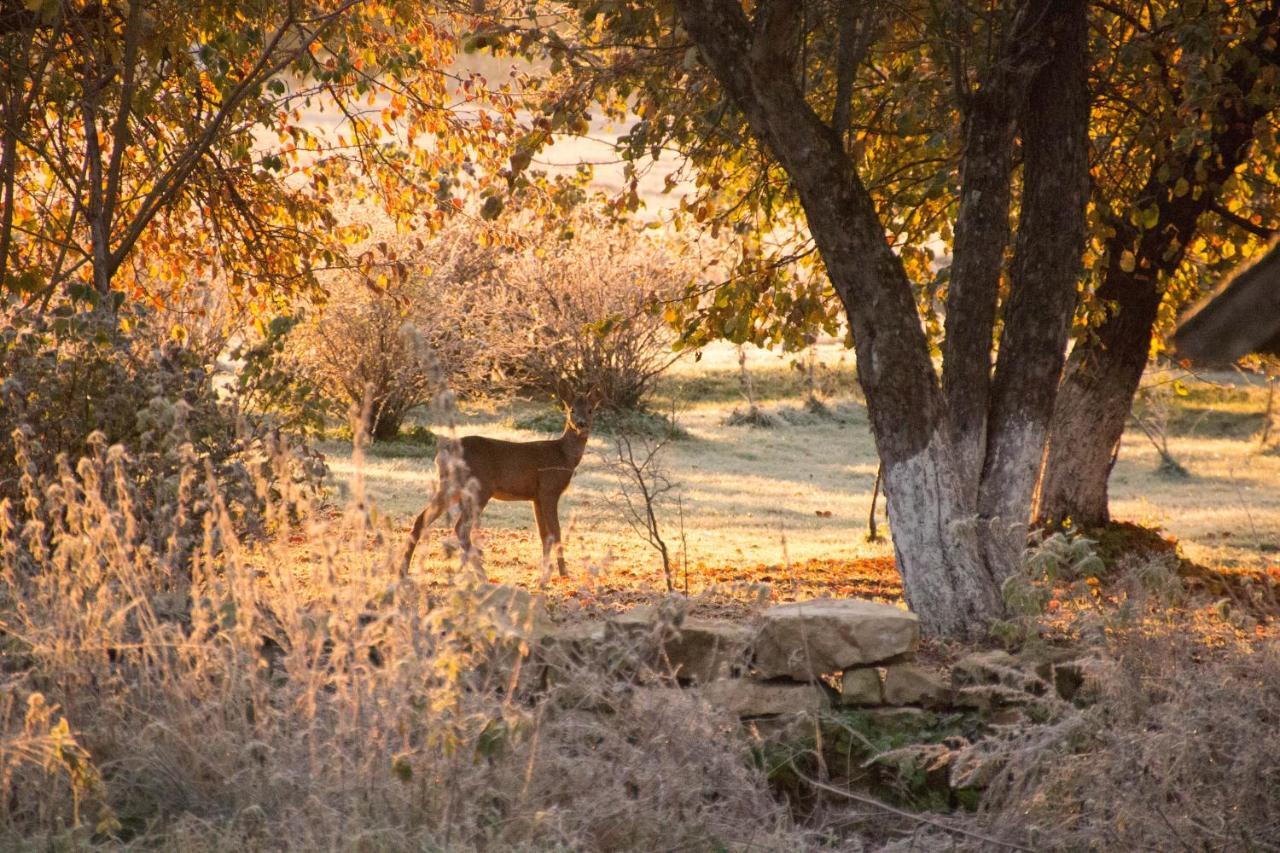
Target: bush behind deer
<point>588,310</point>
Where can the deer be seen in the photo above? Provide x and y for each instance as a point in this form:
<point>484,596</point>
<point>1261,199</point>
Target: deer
<point>537,471</point>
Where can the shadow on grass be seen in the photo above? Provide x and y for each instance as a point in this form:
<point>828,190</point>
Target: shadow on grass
<point>415,442</point>
<point>608,422</point>
<point>725,386</point>
<point>1218,411</point>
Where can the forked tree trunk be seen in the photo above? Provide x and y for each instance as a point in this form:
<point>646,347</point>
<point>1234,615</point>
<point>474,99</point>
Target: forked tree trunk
<point>1046,266</point>
<point>940,548</point>
<point>947,553</point>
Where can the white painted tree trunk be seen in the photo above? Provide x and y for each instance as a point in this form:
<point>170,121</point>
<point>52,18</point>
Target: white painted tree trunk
<point>938,540</point>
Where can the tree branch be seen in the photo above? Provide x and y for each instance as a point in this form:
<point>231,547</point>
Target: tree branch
<point>1240,222</point>
<point>893,361</point>
<point>120,130</point>
<point>777,28</point>
<point>855,37</point>
<point>269,62</point>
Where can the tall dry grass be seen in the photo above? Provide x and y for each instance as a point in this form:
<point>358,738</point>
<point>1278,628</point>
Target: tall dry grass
<point>167,682</point>
<point>1168,742</point>
<point>1173,748</point>
<point>298,694</point>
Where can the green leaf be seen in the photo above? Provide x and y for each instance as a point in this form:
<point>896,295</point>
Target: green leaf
<point>27,282</point>
<point>492,207</point>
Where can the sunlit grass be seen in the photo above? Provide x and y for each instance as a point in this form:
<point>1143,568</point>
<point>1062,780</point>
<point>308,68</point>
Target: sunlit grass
<point>755,502</point>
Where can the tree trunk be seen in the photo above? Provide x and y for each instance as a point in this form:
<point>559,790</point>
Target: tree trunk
<point>1093,407</point>
<point>982,233</point>
<point>1042,292</point>
<point>385,422</point>
<point>1105,369</point>
<point>945,579</point>
<point>939,549</point>
<point>982,236</point>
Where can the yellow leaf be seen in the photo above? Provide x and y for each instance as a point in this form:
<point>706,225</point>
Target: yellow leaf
<point>1127,261</point>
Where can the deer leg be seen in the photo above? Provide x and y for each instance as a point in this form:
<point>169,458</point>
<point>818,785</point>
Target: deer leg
<point>468,518</point>
<point>541,518</point>
<point>438,503</point>
<point>550,531</point>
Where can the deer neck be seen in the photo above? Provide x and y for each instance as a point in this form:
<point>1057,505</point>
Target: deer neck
<point>573,443</point>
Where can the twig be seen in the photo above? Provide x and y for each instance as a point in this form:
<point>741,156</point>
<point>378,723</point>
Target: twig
<point>872,534</point>
<point>684,542</point>
<point>645,478</point>
<point>872,801</point>
<point>1268,415</point>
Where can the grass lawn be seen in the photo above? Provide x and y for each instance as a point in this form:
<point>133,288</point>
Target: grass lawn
<point>789,506</point>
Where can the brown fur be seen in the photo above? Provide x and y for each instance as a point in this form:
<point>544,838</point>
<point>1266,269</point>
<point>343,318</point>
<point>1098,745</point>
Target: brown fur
<point>537,471</point>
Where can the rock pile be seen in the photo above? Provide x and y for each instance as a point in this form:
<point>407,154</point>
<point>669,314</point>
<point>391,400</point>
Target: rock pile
<point>799,657</point>
<point>795,658</point>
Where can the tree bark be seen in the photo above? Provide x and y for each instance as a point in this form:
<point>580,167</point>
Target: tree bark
<point>1105,369</point>
<point>1043,279</point>
<point>982,235</point>
<point>1094,402</point>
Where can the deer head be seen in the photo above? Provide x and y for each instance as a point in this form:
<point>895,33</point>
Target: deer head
<point>579,408</point>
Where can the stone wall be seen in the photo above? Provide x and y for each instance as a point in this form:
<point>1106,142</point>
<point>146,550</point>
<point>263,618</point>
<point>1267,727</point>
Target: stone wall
<point>802,657</point>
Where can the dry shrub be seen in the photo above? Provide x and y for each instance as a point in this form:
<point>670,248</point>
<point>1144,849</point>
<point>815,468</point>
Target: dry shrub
<point>648,769</point>
<point>1153,412</point>
<point>1167,743</point>
<point>75,384</point>
<point>381,347</point>
<point>581,307</point>
<point>1174,751</point>
<point>299,695</point>
<point>588,309</point>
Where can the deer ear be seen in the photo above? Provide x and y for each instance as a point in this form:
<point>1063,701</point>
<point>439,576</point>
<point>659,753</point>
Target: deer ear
<point>595,395</point>
<point>564,390</point>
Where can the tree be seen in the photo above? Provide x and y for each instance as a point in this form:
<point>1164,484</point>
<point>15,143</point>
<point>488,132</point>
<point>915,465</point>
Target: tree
<point>938,116</point>
<point>1206,124</point>
<point>947,501</point>
<point>148,145</point>
<point>957,479</point>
